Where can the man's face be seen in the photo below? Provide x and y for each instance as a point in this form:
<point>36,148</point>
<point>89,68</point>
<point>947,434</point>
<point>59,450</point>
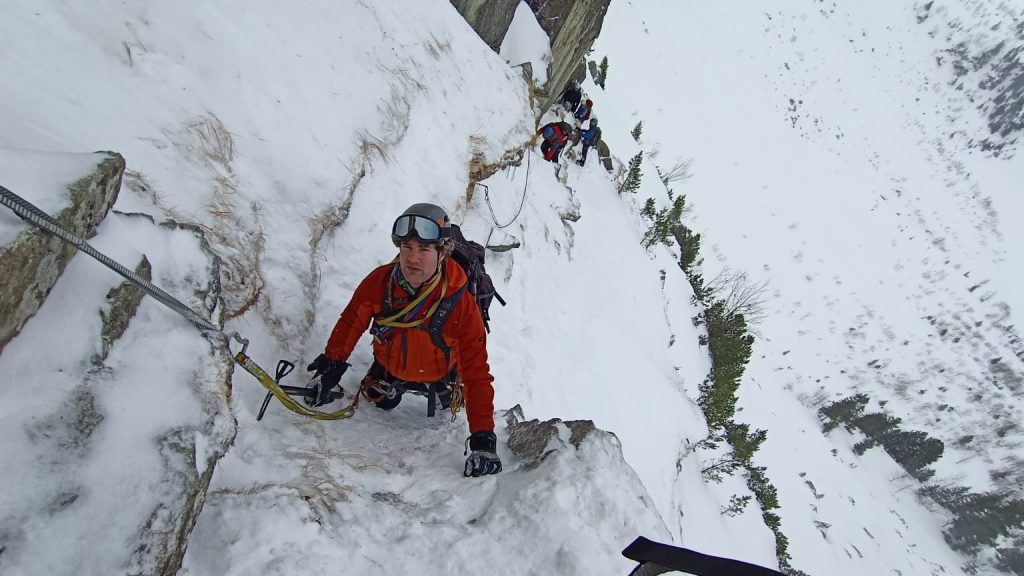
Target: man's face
<point>418,261</point>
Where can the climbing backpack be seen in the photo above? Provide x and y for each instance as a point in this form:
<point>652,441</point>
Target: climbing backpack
<point>565,130</point>
<point>470,255</point>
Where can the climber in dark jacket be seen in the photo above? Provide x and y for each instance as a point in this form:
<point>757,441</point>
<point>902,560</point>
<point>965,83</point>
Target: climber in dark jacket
<point>589,137</point>
<point>571,97</point>
<point>556,135</point>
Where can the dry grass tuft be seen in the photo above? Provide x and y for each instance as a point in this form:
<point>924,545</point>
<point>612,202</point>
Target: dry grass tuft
<point>215,142</point>
<point>137,182</point>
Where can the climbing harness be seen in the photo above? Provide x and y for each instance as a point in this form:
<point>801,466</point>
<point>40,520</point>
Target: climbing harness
<point>33,215</point>
<point>375,389</point>
<point>381,390</point>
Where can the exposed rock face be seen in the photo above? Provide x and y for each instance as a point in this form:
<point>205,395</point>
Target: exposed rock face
<point>124,302</point>
<point>532,440</point>
<point>572,26</point>
<point>490,18</point>
<point>34,261</point>
<point>605,155</point>
<point>165,536</point>
<point>109,472</point>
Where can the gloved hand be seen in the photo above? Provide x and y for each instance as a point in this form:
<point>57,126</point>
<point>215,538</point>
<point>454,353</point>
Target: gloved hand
<point>484,458</point>
<point>329,373</point>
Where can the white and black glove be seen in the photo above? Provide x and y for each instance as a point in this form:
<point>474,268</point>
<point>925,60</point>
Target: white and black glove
<point>484,458</point>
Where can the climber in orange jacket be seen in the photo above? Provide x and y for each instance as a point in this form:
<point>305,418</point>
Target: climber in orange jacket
<point>428,334</point>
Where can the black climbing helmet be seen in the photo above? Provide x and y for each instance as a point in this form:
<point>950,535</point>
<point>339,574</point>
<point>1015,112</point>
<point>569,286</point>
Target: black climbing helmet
<point>429,223</point>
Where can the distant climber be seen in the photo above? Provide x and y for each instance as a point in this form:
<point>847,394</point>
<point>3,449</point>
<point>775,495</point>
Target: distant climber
<point>589,138</point>
<point>408,305</point>
<point>571,97</point>
<point>583,112</point>
<point>556,135</point>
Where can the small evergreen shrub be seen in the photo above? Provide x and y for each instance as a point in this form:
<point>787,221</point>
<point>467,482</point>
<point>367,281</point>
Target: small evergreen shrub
<point>637,131</point>
<point>602,72</point>
<point>737,504</point>
<point>843,411</point>
<point>664,221</point>
<point>633,174</point>
<point>730,346</point>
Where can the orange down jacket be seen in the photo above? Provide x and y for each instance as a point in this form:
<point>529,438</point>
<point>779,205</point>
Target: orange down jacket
<point>409,354</point>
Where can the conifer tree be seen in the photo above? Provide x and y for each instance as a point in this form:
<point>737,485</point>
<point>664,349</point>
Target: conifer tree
<point>730,346</point>
<point>744,445</point>
<point>638,130</point>
<point>950,497</point>
<point>875,424</point>
<point>912,449</point>
<point>664,220</point>
<point>991,516</point>
<point>633,175</point>
<point>689,248</point>
<point>1011,558</point>
<point>843,411</point>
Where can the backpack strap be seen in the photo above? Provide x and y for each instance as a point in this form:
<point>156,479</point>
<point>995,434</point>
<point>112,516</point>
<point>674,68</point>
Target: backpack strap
<point>432,398</point>
<point>437,322</point>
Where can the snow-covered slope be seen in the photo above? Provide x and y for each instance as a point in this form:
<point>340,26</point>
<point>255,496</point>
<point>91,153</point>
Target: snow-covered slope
<point>293,137</point>
<point>293,134</point>
<point>833,158</point>
<point>982,44</point>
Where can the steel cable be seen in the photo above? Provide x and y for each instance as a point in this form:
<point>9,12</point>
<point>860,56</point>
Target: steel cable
<point>33,215</point>
<point>487,197</point>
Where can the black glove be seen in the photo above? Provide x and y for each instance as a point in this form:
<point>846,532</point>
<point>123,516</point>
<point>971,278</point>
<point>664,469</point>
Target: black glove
<point>484,458</point>
<point>328,374</point>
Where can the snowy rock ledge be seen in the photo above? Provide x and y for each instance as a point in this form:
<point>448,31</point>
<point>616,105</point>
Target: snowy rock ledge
<point>32,260</point>
<point>383,493</point>
<point>113,409</point>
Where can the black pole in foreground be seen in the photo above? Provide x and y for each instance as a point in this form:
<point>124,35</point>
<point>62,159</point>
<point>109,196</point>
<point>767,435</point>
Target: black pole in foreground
<point>655,558</point>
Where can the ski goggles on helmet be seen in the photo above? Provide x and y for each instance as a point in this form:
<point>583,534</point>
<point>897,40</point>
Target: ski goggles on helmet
<point>424,229</point>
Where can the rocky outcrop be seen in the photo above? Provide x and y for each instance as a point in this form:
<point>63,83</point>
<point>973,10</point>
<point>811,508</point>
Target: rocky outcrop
<point>605,155</point>
<point>531,440</point>
<point>124,303</point>
<point>133,437</point>
<point>490,18</point>
<point>34,260</point>
<point>572,26</point>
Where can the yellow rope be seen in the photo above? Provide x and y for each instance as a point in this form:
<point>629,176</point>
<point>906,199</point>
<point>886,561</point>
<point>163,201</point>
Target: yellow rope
<point>268,383</point>
<point>392,321</point>
<point>261,375</point>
